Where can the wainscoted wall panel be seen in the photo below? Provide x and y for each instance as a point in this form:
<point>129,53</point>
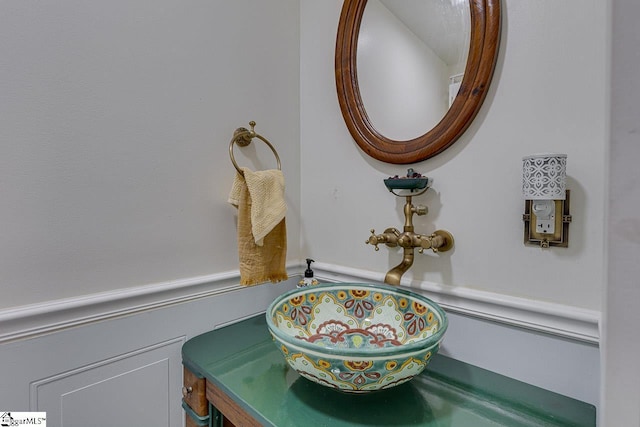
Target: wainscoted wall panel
<point>129,366</point>
<point>566,366</point>
<point>135,387</point>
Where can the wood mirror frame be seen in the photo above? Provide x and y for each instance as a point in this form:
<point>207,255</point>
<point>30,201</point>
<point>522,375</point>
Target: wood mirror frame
<point>483,52</point>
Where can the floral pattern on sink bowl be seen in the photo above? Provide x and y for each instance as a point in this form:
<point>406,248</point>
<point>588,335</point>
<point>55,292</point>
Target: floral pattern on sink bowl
<point>356,337</point>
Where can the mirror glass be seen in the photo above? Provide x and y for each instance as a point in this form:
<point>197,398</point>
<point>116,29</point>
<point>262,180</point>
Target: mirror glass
<point>411,57</point>
<point>376,71</point>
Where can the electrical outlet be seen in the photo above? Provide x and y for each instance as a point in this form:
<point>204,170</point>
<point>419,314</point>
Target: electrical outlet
<point>546,226</point>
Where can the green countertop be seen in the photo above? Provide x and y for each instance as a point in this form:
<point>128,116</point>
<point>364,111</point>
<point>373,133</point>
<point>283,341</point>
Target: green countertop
<point>242,360</point>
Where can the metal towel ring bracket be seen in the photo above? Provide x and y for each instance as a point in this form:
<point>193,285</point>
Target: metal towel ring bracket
<point>243,137</point>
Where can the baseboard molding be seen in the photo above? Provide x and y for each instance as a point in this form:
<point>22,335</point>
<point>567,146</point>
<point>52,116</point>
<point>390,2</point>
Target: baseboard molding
<point>39,319</point>
<point>548,318</point>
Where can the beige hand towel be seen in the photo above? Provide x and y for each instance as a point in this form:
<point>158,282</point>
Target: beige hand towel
<point>262,236</point>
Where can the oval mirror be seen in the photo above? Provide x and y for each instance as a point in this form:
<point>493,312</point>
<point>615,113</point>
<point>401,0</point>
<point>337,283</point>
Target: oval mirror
<point>409,134</point>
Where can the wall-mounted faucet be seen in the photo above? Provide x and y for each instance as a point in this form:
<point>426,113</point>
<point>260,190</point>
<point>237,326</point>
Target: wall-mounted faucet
<point>438,241</point>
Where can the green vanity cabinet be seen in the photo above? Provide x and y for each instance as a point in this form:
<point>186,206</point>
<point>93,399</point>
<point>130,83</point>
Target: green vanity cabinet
<point>248,383</point>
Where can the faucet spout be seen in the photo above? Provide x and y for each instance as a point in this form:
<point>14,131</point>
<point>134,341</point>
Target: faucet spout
<point>395,274</point>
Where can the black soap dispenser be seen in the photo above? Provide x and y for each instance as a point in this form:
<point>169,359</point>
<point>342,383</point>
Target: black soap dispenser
<point>308,279</point>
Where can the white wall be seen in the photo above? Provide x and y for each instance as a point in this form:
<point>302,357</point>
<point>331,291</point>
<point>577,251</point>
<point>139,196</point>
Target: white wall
<point>620,348</point>
<point>115,118</point>
<point>548,94</point>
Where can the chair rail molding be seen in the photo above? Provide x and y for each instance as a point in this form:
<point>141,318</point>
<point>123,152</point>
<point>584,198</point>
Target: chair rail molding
<point>52,316</point>
<point>34,320</point>
<point>555,319</point>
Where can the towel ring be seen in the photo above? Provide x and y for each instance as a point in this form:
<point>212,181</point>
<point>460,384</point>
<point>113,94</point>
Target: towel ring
<point>243,137</point>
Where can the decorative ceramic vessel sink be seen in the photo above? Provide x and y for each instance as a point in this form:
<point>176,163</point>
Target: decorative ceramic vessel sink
<point>356,337</point>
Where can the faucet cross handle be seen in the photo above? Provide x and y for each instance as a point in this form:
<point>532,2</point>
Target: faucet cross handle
<point>389,238</point>
<point>439,241</point>
<point>372,240</point>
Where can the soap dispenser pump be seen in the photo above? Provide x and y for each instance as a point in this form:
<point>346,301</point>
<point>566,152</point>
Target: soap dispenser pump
<point>308,279</point>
